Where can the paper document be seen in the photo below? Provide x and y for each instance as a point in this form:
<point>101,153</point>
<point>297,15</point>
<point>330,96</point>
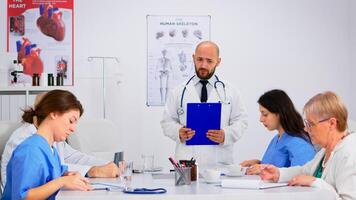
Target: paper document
<point>250,184</point>
<point>107,185</point>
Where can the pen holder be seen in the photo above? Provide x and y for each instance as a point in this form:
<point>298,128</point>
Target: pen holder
<point>194,172</point>
<point>183,177</point>
<point>194,168</point>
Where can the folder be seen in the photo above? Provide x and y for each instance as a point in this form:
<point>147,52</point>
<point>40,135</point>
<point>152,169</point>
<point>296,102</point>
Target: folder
<point>202,117</point>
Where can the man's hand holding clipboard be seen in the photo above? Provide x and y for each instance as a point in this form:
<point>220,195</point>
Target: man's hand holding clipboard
<point>217,136</point>
<point>186,134</point>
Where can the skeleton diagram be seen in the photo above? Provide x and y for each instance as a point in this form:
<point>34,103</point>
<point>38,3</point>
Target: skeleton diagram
<point>182,59</point>
<point>163,69</point>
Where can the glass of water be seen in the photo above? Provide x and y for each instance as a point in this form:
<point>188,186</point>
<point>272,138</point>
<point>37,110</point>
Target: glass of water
<point>147,162</point>
<point>126,175</point>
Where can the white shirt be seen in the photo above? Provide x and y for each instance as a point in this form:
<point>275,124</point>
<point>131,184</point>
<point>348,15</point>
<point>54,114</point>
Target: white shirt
<point>339,175</point>
<point>233,120</point>
<point>76,160</point>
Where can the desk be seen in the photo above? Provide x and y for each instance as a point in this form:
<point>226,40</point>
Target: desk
<point>197,190</point>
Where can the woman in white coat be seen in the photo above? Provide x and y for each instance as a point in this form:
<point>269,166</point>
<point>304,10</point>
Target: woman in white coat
<point>333,167</point>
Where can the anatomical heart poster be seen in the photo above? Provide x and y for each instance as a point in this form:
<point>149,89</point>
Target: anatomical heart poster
<point>171,41</point>
<point>41,33</point>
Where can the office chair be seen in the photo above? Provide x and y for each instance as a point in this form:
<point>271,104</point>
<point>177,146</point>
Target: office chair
<point>6,129</point>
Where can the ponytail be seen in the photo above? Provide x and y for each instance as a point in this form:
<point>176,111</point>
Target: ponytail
<point>28,115</point>
<point>59,101</point>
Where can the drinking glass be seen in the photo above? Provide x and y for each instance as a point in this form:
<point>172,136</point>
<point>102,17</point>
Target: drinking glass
<point>148,162</point>
<point>126,175</point>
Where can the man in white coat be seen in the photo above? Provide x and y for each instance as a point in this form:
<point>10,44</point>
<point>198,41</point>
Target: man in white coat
<point>205,87</point>
<point>87,165</point>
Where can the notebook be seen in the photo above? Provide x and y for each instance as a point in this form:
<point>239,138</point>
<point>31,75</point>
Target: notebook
<point>250,184</point>
<point>202,117</point>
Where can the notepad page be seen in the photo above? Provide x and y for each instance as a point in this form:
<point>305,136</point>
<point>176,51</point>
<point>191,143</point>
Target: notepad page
<point>249,184</point>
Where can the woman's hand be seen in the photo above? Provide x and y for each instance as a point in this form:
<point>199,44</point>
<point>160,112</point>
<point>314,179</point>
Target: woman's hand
<point>254,170</point>
<point>269,172</point>
<point>75,182</point>
<point>254,167</point>
<point>109,170</point>
<point>249,163</point>
<point>70,173</point>
<point>302,180</point>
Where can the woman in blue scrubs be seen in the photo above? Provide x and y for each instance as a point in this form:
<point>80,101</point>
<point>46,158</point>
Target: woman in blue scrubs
<point>35,170</point>
<point>292,145</point>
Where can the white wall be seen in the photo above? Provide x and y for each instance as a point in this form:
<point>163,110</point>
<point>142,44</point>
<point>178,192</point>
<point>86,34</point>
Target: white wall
<point>353,58</point>
<point>300,46</point>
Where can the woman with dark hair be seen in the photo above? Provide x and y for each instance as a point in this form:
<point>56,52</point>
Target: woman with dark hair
<point>35,170</point>
<point>292,145</point>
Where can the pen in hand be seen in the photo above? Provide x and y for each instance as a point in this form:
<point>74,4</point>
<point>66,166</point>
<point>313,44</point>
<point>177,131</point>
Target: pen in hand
<point>105,188</point>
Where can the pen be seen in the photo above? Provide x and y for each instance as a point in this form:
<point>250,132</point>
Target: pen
<point>105,188</point>
<point>173,162</point>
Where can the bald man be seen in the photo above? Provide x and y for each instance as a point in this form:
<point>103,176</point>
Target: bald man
<point>205,86</point>
<point>87,165</point>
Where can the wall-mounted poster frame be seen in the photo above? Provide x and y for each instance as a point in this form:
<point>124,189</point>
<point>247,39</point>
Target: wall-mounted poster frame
<point>171,41</point>
<point>41,32</point>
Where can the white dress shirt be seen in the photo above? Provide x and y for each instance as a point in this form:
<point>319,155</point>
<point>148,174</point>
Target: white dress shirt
<point>339,174</point>
<point>76,160</point>
<point>233,120</point>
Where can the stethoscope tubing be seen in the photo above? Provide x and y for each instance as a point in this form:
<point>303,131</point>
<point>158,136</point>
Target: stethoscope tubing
<point>180,110</point>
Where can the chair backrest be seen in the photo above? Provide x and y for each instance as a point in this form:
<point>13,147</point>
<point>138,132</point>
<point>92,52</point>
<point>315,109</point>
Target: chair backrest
<point>6,129</point>
<point>96,136</point>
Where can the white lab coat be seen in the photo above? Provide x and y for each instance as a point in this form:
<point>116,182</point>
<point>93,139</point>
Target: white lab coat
<point>339,175</point>
<point>233,121</point>
<point>76,160</point>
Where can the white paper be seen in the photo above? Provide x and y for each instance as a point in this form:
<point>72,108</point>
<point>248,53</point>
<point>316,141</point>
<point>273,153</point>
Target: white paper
<point>107,185</point>
<point>249,184</point>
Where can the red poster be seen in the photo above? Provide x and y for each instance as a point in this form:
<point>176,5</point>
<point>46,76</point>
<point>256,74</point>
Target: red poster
<point>41,32</point>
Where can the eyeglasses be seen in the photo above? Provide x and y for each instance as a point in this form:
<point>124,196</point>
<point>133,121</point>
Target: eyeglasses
<point>309,124</point>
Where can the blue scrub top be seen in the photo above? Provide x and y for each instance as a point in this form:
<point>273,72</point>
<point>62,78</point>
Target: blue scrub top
<point>288,151</point>
<point>32,164</point>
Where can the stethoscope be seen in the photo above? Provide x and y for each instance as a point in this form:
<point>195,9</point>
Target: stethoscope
<point>115,187</point>
<point>180,110</point>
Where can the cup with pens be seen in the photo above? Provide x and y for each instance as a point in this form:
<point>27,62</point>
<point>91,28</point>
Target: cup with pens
<point>182,175</point>
<point>194,168</point>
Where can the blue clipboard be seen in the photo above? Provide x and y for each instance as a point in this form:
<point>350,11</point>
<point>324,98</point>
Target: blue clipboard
<point>202,117</point>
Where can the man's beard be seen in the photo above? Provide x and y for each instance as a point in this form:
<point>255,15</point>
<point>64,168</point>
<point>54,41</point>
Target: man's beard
<point>207,76</point>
